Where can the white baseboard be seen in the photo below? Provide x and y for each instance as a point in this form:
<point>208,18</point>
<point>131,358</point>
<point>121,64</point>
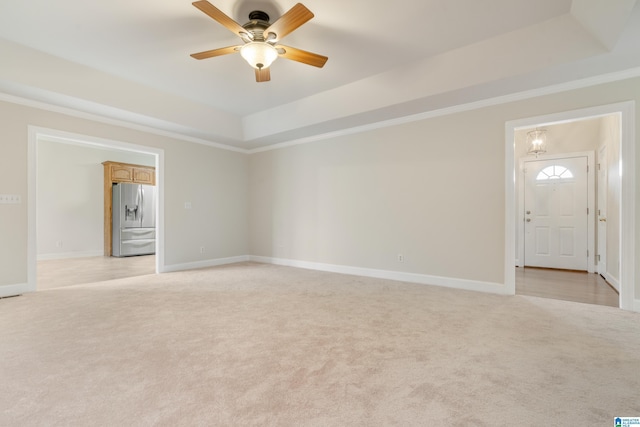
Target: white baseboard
<point>68,255</point>
<point>612,281</point>
<point>636,305</point>
<point>447,282</point>
<point>203,264</point>
<point>13,290</point>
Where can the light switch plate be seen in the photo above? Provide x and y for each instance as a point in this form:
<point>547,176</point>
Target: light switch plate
<point>10,199</point>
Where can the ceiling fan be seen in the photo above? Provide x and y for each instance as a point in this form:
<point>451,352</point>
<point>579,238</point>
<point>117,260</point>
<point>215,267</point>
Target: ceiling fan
<point>260,38</point>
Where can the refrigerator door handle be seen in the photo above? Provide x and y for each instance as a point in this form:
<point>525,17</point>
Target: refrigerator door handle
<point>141,204</point>
<point>138,205</point>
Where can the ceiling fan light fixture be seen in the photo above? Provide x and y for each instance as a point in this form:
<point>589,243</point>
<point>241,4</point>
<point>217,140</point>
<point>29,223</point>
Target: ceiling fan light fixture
<point>259,38</point>
<point>259,54</point>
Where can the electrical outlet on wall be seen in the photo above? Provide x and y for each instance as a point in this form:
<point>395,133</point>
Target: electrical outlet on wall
<point>201,249</point>
<point>400,258</point>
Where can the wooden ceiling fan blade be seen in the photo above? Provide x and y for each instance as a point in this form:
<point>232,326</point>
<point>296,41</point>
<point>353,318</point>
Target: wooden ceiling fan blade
<point>263,74</point>
<point>218,15</point>
<point>303,56</point>
<point>287,23</point>
<point>216,52</point>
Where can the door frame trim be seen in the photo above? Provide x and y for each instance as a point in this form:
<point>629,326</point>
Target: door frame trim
<point>591,192</point>
<point>37,132</point>
<point>602,265</point>
<point>626,110</point>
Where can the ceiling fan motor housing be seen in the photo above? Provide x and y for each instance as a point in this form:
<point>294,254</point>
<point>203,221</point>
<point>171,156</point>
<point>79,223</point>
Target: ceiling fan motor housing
<point>258,22</point>
<point>259,15</point>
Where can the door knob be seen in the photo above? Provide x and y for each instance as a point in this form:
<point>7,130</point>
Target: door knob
<point>603,219</point>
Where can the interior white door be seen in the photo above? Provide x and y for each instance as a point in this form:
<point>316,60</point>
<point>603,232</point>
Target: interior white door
<point>601,209</point>
<point>555,213</point>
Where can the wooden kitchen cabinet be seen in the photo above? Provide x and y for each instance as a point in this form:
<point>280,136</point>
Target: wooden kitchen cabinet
<point>144,175</point>
<point>124,172</point>
<point>115,172</point>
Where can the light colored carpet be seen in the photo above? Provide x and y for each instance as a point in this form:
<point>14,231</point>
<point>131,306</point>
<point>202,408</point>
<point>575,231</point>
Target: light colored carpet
<point>256,344</point>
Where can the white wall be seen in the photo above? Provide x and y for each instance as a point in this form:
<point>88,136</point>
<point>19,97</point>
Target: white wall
<point>215,182</point>
<point>70,197</point>
<point>433,190</point>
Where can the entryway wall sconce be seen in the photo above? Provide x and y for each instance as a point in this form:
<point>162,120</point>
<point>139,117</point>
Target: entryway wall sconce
<point>537,141</point>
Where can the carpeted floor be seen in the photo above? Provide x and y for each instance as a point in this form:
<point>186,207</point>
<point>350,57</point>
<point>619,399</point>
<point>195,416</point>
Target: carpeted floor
<point>256,344</point>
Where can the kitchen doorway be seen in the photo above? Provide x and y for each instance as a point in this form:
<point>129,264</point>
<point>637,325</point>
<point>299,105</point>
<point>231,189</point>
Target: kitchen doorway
<point>71,243</point>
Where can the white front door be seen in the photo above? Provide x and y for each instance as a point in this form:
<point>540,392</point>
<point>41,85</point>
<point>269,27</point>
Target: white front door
<point>555,213</point>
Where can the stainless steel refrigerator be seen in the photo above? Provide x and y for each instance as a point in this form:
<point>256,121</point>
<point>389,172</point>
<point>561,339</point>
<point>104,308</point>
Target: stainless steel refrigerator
<point>134,219</point>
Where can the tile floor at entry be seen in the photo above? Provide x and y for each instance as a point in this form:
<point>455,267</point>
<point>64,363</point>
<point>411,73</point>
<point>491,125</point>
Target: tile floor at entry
<point>76,271</point>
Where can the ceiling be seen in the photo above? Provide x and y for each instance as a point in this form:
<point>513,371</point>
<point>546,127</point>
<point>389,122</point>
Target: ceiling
<point>130,61</point>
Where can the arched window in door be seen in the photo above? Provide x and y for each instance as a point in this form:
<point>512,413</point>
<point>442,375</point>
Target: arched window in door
<point>554,172</point>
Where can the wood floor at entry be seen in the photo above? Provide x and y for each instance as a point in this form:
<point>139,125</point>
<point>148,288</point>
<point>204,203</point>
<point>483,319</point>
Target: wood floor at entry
<point>577,286</point>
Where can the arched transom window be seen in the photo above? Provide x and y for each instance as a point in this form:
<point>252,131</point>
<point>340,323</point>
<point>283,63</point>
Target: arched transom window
<point>554,172</point>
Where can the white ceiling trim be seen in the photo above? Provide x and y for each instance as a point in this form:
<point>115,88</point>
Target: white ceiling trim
<point>519,96</point>
<point>604,22</point>
<point>552,42</point>
<point>115,122</point>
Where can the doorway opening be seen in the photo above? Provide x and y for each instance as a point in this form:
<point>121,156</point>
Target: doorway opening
<point>66,217</point>
<point>609,254</point>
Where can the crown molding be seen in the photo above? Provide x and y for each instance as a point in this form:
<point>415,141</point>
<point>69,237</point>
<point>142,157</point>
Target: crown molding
<point>115,122</point>
<point>489,102</point>
<point>504,99</point>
